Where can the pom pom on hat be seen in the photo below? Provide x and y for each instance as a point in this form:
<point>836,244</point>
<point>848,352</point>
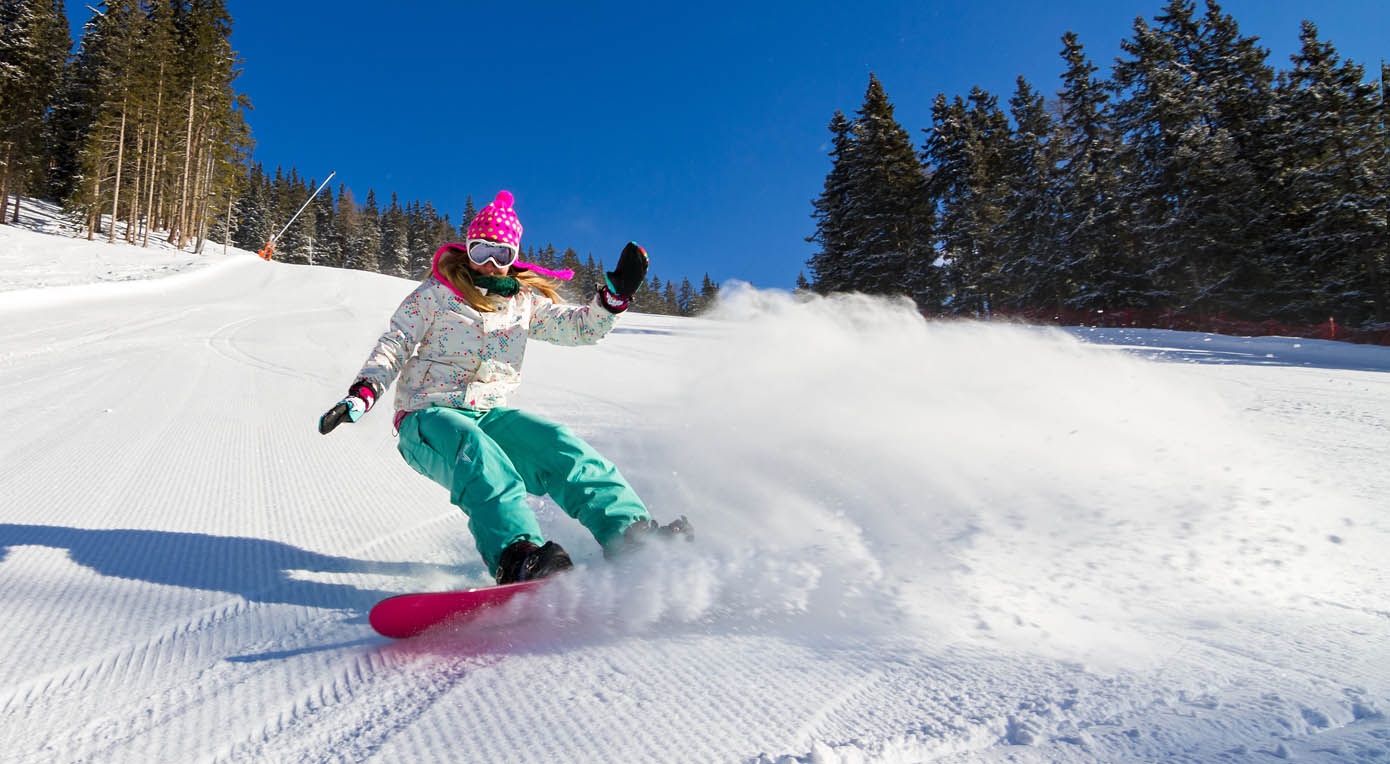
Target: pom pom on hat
<point>497,222</point>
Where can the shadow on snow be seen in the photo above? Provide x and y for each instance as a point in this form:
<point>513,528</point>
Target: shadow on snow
<point>255,569</point>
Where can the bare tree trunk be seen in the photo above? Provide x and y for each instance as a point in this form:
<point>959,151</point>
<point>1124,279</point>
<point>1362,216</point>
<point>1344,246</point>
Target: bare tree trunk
<point>154,155</point>
<point>5,183</point>
<point>94,209</point>
<point>132,229</point>
<point>149,191</point>
<point>207,204</point>
<point>187,160</point>
<point>165,224</point>
<point>195,202</point>
<point>116,190</point>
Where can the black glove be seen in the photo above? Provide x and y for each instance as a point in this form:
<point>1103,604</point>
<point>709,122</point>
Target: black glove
<point>361,395</point>
<point>622,282</point>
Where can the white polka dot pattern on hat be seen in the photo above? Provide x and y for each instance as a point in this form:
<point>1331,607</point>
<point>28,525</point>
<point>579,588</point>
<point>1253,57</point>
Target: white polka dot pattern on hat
<point>497,222</point>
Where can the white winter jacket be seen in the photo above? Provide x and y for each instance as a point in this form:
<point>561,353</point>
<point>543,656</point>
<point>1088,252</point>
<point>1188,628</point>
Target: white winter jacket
<point>449,354</point>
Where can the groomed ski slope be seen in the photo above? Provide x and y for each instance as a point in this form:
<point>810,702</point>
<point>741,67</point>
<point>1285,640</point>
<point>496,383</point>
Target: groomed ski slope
<point>917,541</point>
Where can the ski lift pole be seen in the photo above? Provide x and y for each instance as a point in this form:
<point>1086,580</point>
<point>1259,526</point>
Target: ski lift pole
<point>269,248</point>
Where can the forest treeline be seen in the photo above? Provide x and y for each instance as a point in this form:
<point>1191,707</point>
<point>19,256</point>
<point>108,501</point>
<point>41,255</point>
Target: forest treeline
<point>141,132</point>
<point>141,124</point>
<point>399,239</point>
<point>1195,178</point>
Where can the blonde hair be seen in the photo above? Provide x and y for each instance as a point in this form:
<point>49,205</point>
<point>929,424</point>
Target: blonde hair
<point>453,266</point>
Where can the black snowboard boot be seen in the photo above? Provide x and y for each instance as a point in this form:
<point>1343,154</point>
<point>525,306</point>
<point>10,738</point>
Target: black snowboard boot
<point>523,561</point>
<point>641,531</point>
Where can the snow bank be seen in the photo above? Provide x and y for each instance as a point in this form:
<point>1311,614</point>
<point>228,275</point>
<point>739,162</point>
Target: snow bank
<point>45,259</point>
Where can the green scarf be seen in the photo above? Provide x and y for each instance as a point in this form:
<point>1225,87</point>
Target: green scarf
<point>502,286</point>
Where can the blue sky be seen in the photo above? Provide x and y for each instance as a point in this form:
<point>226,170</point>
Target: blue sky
<point>695,130</point>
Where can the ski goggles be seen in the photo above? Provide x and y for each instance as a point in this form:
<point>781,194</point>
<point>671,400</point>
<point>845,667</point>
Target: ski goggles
<point>481,252</point>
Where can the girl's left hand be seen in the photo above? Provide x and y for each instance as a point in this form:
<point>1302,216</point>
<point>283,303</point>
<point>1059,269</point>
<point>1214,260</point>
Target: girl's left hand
<point>621,283</point>
<point>631,273</point>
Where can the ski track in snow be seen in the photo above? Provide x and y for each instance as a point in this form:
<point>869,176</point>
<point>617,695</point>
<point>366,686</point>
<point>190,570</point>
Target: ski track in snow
<point>916,542</point>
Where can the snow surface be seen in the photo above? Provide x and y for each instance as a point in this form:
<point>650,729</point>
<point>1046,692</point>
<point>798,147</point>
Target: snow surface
<point>947,541</point>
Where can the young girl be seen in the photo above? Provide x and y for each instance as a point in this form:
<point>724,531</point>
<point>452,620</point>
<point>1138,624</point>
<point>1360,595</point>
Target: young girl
<point>457,342</point>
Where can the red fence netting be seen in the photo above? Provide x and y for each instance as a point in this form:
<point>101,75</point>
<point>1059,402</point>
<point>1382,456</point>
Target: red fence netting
<point>1197,322</point>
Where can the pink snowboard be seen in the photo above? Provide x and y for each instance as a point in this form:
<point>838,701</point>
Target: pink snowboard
<point>406,615</point>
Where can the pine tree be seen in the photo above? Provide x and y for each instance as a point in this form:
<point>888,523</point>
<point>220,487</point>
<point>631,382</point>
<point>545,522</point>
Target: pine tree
<point>1332,244</point>
<point>830,266</point>
<point>966,150</point>
<point>469,212</point>
<point>347,229</point>
<point>1236,88</point>
<point>888,223</point>
<point>872,220</point>
<point>366,251</point>
<point>1033,268</point>
<point>104,79</point>
<point>416,227</point>
<point>215,136</point>
<point>300,242</point>
<point>649,299</point>
<point>148,127</point>
<point>944,153</point>
<point>252,229</point>
<point>687,300</point>
<point>157,117</point>
<point>670,303</point>
<point>709,293</point>
<point>443,233</point>
<point>427,233</point>
<point>395,241</point>
<point>33,53</point>
<point>588,278</point>
<point>1193,90</point>
<point>1097,259</point>
<point>1380,248</point>
<point>577,289</point>
<point>327,240</point>
<point>71,118</point>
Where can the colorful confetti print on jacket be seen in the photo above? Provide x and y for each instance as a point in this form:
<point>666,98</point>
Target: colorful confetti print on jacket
<point>448,354</point>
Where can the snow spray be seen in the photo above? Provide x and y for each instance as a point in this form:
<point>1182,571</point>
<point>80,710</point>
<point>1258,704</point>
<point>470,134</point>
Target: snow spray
<point>851,467</point>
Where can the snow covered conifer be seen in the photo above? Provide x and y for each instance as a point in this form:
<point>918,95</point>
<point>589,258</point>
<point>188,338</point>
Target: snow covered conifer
<point>33,54</point>
<point>887,223</point>
<point>347,229</point>
<point>873,222</point>
<point>1192,93</point>
<point>688,300</point>
<point>469,212</point>
<point>709,292</point>
<point>965,152</point>
<point>1097,259</point>
<point>299,244</point>
<point>365,250</point>
<point>252,228</point>
<point>1329,140</point>
<point>1033,269</point>
<point>327,241</point>
<point>829,267</point>
<point>395,241</point>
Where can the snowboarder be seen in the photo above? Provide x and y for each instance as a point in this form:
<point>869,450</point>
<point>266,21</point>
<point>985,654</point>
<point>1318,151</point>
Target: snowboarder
<point>457,343</point>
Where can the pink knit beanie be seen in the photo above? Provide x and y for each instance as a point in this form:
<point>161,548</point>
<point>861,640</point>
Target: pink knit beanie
<point>497,222</point>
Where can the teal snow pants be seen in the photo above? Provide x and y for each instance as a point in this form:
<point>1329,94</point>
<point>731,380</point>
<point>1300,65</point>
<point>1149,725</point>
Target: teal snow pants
<point>489,460</point>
